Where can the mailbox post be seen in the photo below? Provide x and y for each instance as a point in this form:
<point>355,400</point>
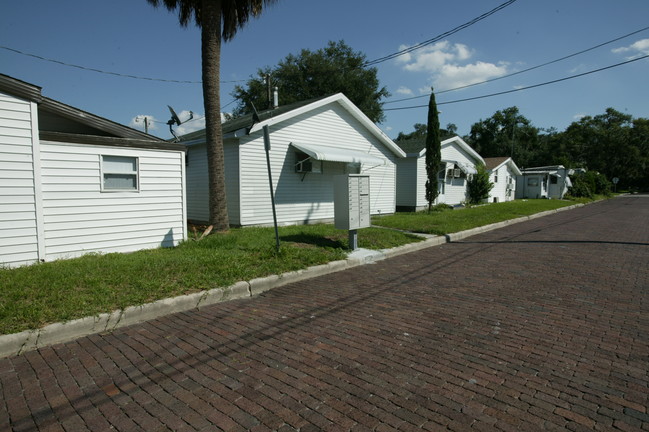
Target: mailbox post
<point>352,204</point>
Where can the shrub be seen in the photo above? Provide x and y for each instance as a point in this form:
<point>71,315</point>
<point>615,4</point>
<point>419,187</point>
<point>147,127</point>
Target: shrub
<point>479,186</point>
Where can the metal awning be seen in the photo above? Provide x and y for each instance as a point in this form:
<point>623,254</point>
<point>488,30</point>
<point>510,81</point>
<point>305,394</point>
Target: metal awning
<point>334,154</point>
<point>467,168</point>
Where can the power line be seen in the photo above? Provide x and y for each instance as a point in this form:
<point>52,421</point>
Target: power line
<point>524,70</point>
<point>103,71</point>
<point>524,88</point>
<point>439,37</point>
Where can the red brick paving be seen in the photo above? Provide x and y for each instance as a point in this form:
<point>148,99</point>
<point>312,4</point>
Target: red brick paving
<point>542,325</point>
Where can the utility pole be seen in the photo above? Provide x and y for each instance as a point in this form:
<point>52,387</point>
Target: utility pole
<point>146,122</point>
<point>268,92</point>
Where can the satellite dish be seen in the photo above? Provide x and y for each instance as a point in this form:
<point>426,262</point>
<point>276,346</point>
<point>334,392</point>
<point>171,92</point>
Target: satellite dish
<point>176,120</point>
<point>174,117</point>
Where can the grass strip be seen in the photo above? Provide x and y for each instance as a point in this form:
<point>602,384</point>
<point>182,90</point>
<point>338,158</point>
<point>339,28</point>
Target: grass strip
<point>34,296</point>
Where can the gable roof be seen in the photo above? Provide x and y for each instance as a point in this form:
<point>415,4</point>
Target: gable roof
<point>245,125</point>
<point>494,163</point>
<point>417,147</point>
<point>413,145</point>
<point>61,122</point>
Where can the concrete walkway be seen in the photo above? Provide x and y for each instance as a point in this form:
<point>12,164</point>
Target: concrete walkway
<point>540,325</point>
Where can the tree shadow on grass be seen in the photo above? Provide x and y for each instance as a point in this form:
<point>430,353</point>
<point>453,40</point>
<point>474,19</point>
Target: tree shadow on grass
<point>316,240</point>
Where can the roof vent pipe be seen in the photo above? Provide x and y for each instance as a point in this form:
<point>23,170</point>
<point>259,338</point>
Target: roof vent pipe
<point>275,98</point>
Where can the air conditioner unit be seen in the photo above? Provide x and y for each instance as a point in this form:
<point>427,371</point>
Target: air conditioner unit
<point>457,173</point>
<point>309,166</point>
<point>510,186</point>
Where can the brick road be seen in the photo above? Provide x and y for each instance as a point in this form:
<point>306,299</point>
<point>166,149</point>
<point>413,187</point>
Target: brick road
<point>542,325</point>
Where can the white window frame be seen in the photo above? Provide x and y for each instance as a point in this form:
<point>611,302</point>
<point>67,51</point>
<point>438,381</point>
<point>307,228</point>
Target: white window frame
<point>104,172</point>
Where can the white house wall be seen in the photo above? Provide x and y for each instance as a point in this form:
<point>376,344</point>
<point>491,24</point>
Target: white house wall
<point>307,198</point>
<point>455,188</point>
<point>197,184</point>
<point>499,190</point>
<point>408,173</point>
<point>79,218</point>
<point>18,204</point>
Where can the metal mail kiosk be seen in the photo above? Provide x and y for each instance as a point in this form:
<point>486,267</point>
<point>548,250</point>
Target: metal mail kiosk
<point>352,201</point>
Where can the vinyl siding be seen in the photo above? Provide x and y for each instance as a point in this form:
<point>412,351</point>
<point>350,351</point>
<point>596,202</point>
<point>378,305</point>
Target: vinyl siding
<point>407,181</point>
<point>79,218</point>
<point>307,198</point>
<point>18,212</point>
<point>197,184</point>
<point>500,189</point>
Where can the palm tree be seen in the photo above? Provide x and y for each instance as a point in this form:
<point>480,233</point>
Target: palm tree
<point>218,20</point>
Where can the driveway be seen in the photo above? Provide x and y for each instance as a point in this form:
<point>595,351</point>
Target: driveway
<point>542,325</point>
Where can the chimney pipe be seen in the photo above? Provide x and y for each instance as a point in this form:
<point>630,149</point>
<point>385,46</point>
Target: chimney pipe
<point>275,98</point>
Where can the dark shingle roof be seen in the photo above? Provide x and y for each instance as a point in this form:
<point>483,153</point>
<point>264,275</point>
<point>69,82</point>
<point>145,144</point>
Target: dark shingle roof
<point>414,145</point>
<point>246,121</point>
<point>493,162</point>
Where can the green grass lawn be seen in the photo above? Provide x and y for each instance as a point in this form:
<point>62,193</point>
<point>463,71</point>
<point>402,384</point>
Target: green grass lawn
<point>33,296</point>
<point>460,219</point>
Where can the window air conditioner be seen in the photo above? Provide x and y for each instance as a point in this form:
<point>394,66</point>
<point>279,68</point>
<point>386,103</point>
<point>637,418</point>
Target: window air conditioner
<point>309,166</point>
<point>457,173</point>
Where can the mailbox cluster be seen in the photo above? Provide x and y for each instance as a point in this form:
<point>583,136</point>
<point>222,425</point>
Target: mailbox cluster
<point>352,204</point>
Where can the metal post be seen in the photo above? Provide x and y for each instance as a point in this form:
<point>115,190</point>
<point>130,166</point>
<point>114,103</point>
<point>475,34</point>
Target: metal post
<point>270,182</point>
<point>353,239</point>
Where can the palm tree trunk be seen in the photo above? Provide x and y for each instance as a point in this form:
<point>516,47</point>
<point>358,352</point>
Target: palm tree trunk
<point>211,54</point>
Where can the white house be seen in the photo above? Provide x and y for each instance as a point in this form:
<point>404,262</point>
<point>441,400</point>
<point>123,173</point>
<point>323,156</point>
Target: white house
<point>502,174</point>
<point>310,143</point>
<point>459,161</point>
<point>544,182</point>
<point>72,182</point>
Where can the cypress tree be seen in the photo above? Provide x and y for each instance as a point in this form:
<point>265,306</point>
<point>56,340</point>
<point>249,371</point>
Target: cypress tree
<point>433,151</point>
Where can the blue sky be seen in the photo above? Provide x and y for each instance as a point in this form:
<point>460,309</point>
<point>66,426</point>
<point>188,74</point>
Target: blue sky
<point>131,37</point>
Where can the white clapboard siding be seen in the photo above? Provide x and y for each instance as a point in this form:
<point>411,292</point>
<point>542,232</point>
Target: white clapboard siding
<point>197,182</point>
<point>18,213</point>
<point>307,198</point>
<point>79,218</point>
<point>407,182</point>
<point>499,191</point>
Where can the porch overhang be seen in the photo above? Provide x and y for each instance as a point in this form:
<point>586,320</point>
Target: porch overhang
<point>335,154</point>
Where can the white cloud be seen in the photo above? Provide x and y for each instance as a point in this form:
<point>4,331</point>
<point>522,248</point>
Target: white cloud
<point>451,76</point>
<point>403,90</point>
<point>137,122</point>
<point>197,123</point>
<point>637,49</point>
<point>448,65</point>
<point>579,116</point>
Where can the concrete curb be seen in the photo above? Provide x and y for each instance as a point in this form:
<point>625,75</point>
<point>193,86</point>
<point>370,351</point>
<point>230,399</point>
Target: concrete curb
<point>19,343</point>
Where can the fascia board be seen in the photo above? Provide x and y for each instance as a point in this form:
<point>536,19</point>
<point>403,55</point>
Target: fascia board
<point>345,103</point>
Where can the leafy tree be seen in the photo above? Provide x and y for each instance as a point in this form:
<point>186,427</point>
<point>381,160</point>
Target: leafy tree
<point>333,69</point>
<point>506,133</point>
<point>433,151</point>
<point>611,144</point>
<point>478,186</point>
<point>219,20</point>
<point>421,130</point>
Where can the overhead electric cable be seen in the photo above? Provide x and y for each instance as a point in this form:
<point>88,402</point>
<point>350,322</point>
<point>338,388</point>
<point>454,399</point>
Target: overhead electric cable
<point>439,37</point>
<point>523,88</point>
<point>103,71</point>
<point>524,70</point>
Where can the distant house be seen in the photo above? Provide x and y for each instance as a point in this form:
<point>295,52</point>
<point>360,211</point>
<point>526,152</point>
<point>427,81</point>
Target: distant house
<point>459,161</point>
<point>502,173</point>
<point>311,142</point>
<point>544,182</point>
<point>72,182</point>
